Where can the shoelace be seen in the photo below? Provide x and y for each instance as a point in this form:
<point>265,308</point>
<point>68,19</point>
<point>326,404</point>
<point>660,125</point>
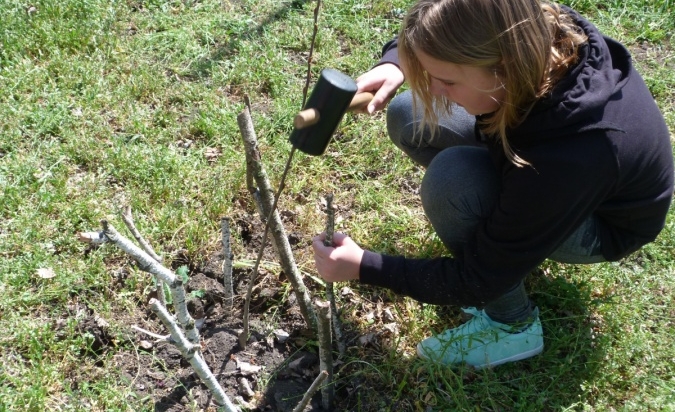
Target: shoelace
<point>473,325</point>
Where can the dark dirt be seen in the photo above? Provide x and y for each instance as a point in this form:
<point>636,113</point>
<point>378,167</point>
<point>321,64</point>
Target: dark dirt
<point>278,365</point>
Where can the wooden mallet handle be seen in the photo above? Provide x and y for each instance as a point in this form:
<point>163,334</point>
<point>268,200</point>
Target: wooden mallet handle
<point>309,117</point>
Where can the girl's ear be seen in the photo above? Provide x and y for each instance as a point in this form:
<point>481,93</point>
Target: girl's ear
<point>500,69</point>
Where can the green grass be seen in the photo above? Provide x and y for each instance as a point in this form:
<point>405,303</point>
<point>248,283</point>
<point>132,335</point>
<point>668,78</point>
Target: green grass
<point>104,103</point>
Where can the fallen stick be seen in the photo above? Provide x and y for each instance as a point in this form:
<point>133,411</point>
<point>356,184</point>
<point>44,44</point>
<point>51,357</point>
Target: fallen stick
<point>191,352</point>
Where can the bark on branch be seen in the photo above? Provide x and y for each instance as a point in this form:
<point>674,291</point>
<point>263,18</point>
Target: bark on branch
<point>145,245</point>
<point>191,352</point>
<point>311,391</point>
<point>227,262</point>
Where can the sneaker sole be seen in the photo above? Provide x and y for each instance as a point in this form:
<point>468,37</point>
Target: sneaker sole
<point>524,355</point>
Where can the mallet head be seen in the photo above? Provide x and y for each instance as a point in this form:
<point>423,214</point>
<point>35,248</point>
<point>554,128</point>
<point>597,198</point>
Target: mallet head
<point>330,99</point>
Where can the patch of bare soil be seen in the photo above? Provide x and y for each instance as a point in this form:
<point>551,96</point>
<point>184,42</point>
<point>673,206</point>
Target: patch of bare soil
<point>271,374</point>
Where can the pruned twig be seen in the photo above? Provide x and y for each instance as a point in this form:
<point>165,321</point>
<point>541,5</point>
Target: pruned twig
<point>315,30</point>
<point>158,337</point>
<point>311,391</point>
<point>128,220</point>
<point>325,352</point>
<point>191,352</point>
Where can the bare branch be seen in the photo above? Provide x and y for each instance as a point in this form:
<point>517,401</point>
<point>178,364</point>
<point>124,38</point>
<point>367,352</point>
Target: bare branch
<point>191,352</point>
<point>160,338</point>
<point>311,391</point>
<point>269,203</point>
<point>129,222</point>
<point>311,52</point>
<point>150,265</point>
<point>330,293</point>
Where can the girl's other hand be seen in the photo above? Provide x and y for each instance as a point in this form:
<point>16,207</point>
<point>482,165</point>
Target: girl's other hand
<point>338,263</point>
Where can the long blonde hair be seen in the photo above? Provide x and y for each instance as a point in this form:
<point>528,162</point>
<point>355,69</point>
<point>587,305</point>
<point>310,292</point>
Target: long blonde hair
<point>530,45</point>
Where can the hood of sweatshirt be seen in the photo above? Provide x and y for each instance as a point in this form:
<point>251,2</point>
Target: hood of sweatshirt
<point>577,103</point>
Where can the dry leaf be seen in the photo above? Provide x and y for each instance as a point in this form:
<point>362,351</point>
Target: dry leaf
<point>246,368</point>
<point>46,273</point>
<point>211,154</point>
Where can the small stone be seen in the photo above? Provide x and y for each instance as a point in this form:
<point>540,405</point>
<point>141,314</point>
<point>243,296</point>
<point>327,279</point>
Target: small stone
<point>145,345</point>
<point>281,335</point>
<point>345,291</point>
<point>245,388</point>
<point>391,327</point>
<point>367,339</point>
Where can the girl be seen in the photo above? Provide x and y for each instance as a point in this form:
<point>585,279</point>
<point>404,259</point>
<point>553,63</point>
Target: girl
<point>540,141</point>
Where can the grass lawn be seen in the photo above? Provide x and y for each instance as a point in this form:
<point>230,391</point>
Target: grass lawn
<point>109,103</point>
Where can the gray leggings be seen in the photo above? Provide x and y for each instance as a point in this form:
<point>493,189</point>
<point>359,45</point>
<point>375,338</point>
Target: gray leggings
<point>460,188</point>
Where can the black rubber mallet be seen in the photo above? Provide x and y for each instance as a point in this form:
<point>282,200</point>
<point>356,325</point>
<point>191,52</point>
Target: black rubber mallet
<point>333,95</point>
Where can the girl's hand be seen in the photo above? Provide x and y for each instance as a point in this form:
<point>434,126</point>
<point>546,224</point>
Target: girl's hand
<point>339,263</point>
<point>383,81</point>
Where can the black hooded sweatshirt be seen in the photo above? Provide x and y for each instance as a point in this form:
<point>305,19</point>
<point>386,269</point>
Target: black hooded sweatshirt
<point>598,145</point>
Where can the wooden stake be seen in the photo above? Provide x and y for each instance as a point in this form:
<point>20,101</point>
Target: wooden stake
<point>325,352</point>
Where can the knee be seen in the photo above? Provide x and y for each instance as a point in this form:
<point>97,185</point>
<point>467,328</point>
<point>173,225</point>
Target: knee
<point>462,180</point>
<point>400,118</point>
<point>440,179</point>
